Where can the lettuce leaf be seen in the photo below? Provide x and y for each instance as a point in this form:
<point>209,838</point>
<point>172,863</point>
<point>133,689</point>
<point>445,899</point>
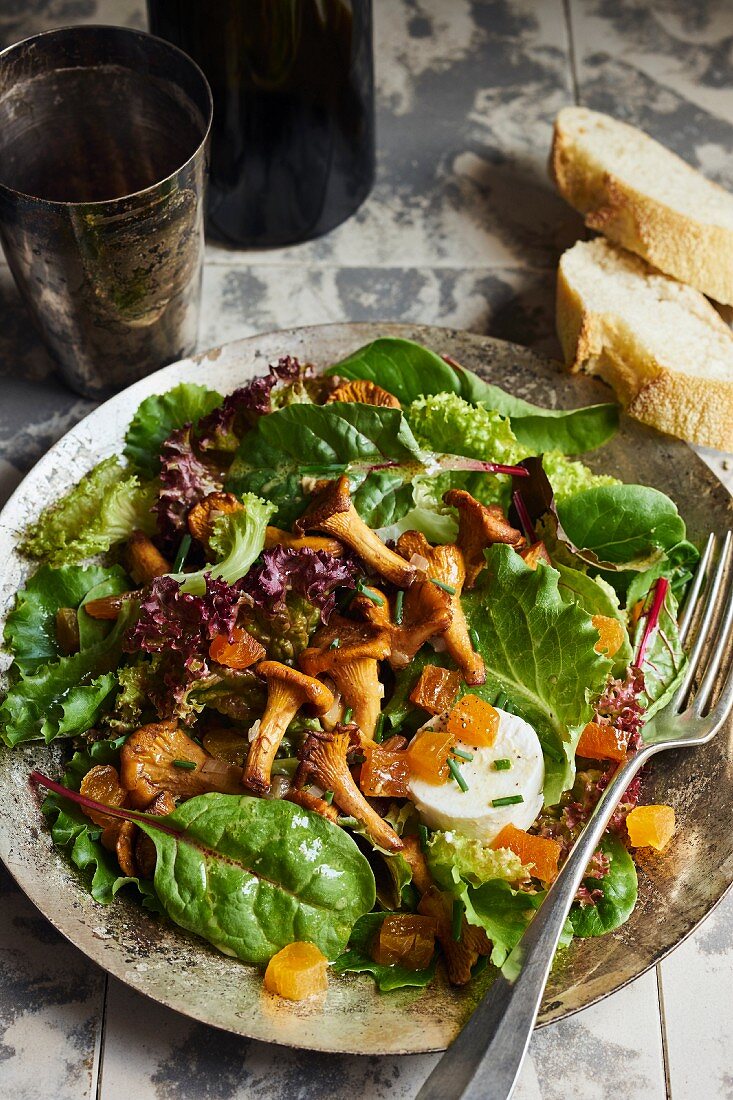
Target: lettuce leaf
<point>619,888</point>
<point>410,371</point>
<point>568,477</point>
<point>596,596</point>
<point>454,858</point>
<point>237,541</point>
<point>539,649</point>
<point>160,415</point>
<point>74,832</point>
<point>623,524</point>
<point>357,960</point>
<point>445,422</point>
<point>106,506</point>
<point>502,912</point>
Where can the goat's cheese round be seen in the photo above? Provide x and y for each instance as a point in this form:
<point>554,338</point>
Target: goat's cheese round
<point>446,806</point>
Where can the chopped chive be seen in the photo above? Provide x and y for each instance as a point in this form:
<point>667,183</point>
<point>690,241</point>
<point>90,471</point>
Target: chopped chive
<point>370,594</point>
<point>422,832</point>
<point>501,700</point>
<point>379,730</point>
<point>502,765</point>
<point>328,797</point>
<point>347,822</point>
<point>182,554</point>
<point>508,800</point>
<point>348,715</point>
<point>358,758</point>
<point>335,643</point>
<point>462,754</point>
<point>473,635</point>
<point>456,773</point>
<point>286,765</point>
<point>187,765</point>
<point>398,606</point>
<point>459,909</point>
<point>449,588</point>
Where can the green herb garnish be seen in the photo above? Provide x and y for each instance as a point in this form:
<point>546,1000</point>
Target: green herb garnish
<point>370,594</point>
<point>456,773</point>
<point>348,715</point>
<point>328,797</point>
<point>501,700</point>
<point>503,764</point>
<point>508,800</point>
<point>398,607</point>
<point>379,730</point>
<point>347,822</point>
<point>187,765</point>
<point>422,832</point>
<point>182,554</point>
<point>449,588</point>
<point>462,754</point>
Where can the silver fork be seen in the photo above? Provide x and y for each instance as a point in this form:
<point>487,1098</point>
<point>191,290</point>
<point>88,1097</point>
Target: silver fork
<point>484,1060</point>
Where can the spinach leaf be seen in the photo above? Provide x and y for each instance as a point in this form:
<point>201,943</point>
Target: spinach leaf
<point>540,650</point>
<point>30,628</point>
<point>74,832</point>
<point>620,890</point>
<point>623,524</point>
<point>357,960</point>
<point>325,441</point>
<point>252,875</point>
<point>159,415</point>
<point>409,370</point>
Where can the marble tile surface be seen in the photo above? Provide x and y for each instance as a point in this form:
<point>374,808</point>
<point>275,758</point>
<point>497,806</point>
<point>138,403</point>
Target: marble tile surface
<point>462,229</point>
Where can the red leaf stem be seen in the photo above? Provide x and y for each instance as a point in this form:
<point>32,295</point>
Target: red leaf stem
<point>652,617</point>
<point>112,811</point>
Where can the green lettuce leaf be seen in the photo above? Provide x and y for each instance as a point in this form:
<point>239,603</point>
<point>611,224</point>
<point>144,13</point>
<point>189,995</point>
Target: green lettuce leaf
<point>623,524</point>
<point>597,597</point>
<point>539,649</point>
<point>445,422</point>
<point>106,506</point>
<point>30,628</point>
<point>237,540</point>
<point>568,477</point>
<point>620,890</point>
<point>79,837</point>
<point>502,912</point>
<point>357,960</point>
<point>161,414</point>
<point>410,371</point>
<point>454,858</point>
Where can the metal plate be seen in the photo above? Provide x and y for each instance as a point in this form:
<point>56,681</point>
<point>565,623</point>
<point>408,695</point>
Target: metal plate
<point>677,888</point>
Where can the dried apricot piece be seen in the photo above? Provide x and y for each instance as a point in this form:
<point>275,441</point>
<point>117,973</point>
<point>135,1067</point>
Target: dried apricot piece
<point>602,741</point>
<point>297,971</point>
<point>384,774</point>
<point>535,555</point>
<point>428,755</point>
<point>474,721</point>
<point>611,634</point>
<point>241,652</point>
<point>650,826</point>
<point>102,784</point>
<point>539,853</point>
<point>436,689</point>
<point>405,939</point>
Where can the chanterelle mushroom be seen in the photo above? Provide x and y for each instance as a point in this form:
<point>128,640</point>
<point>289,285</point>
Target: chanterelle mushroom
<point>323,761</point>
<point>446,568</point>
<point>159,757</point>
<point>365,392</point>
<point>203,515</point>
<point>480,526</point>
<point>287,691</point>
<point>426,612</point>
<point>332,512</point>
<point>274,536</point>
<point>349,652</point>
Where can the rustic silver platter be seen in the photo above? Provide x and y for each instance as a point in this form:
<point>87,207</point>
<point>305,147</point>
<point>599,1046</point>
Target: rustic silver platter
<point>677,889</point>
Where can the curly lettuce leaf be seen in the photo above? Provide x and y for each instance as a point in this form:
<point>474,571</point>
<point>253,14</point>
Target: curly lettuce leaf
<point>357,959</point>
<point>409,371</point>
<point>237,540</point>
<point>75,833</point>
<point>568,476</point>
<point>619,888</point>
<point>454,859</point>
<point>159,416</point>
<point>106,506</point>
<point>445,422</point>
<point>539,649</point>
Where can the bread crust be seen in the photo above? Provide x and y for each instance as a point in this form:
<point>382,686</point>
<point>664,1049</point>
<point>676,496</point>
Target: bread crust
<point>693,407</point>
<point>694,252</point>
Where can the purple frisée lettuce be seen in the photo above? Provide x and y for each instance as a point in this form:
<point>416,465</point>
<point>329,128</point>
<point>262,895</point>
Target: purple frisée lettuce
<point>313,574</point>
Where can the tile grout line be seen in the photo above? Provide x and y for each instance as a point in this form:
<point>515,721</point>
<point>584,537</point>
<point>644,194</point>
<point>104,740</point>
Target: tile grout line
<point>663,1030</point>
<point>95,1090</point>
<point>571,50</point>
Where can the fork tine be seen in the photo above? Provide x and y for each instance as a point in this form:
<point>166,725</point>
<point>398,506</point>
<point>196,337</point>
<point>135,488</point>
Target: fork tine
<point>719,652</point>
<point>693,594</point>
<point>703,629</point>
<point>723,707</point>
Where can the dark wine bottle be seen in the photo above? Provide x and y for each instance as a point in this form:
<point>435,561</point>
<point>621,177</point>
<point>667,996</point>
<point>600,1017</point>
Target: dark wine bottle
<point>292,151</point>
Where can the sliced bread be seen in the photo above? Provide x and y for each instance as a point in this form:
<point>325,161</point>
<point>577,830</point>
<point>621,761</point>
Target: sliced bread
<point>638,193</point>
<point>660,344</point>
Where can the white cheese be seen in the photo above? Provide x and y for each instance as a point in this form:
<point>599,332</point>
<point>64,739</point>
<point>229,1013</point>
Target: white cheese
<point>446,806</point>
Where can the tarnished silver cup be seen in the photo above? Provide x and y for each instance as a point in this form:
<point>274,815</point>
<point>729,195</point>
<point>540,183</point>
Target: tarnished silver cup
<point>103,157</point>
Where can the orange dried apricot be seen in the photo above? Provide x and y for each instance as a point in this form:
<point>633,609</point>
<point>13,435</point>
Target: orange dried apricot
<point>474,721</point>
<point>535,555</point>
<point>384,774</point>
<point>297,971</point>
<point>650,826</point>
<point>241,652</point>
<point>611,635</point>
<point>405,939</point>
<point>428,754</point>
<point>436,689</point>
<point>539,853</point>
<point>601,741</point>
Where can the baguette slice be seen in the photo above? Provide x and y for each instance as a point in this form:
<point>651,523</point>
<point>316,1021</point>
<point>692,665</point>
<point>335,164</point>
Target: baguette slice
<point>638,193</point>
<point>660,344</point>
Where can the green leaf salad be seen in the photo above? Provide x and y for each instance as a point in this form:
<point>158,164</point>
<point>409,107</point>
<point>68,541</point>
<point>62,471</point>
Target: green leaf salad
<point>342,662</point>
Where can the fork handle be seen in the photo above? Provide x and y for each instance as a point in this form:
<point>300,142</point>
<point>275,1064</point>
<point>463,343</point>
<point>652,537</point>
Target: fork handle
<point>484,1060</point>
